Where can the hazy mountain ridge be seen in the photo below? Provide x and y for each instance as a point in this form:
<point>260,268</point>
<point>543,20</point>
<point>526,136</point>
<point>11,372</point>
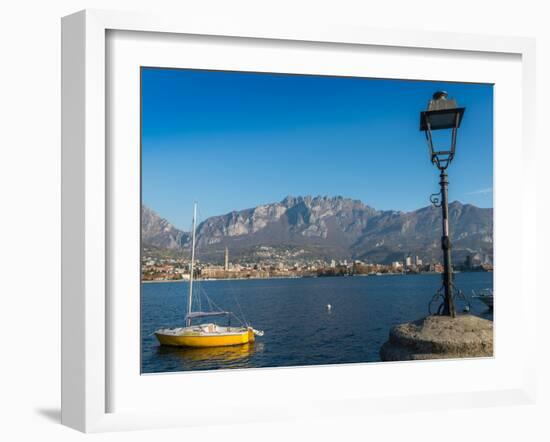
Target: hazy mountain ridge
<point>330,227</point>
<point>158,232</point>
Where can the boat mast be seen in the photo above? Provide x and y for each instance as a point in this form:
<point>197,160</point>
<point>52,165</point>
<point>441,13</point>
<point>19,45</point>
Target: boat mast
<point>191,270</point>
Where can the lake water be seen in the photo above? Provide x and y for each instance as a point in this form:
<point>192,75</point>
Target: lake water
<point>299,330</point>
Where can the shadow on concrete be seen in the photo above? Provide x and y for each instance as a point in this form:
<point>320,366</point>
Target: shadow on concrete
<point>51,414</point>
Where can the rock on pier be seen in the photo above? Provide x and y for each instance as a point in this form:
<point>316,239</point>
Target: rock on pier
<point>440,337</point>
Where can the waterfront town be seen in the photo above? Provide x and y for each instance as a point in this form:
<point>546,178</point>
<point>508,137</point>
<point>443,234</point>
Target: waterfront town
<point>160,268</point>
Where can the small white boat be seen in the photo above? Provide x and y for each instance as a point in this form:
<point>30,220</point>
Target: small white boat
<point>485,296</point>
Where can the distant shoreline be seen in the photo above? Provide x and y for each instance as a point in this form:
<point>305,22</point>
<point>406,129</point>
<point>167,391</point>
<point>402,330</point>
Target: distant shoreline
<point>295,277</point>
<point>228,279</point>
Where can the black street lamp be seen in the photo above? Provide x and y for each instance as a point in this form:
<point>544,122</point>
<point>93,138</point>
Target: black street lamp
<point>443,114</point>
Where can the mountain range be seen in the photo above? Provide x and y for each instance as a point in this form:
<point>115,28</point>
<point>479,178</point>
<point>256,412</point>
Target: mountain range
<point>327,228</point>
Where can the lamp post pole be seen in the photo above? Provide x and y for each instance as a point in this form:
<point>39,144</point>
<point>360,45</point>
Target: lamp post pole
<point>449,306</point>
<point>443,114</point>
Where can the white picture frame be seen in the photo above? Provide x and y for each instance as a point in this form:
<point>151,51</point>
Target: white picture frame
<point>86,212</point>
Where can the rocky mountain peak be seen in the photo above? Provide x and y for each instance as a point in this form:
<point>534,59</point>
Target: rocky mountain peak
<point>158,232</point>
<point>334,227</point>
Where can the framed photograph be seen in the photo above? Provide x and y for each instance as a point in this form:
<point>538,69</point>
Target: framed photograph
<point>265,238</point>
<point>291,222</point>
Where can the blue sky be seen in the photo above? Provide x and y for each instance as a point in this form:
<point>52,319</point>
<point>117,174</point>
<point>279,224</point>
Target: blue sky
<point>234,140</point>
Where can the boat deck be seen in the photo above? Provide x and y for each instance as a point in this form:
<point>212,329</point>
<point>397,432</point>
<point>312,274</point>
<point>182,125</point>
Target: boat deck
<point>203,330</point>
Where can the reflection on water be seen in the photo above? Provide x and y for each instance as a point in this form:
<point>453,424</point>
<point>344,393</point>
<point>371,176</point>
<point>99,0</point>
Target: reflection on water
<point>299,328</point>
<point>233,356</point>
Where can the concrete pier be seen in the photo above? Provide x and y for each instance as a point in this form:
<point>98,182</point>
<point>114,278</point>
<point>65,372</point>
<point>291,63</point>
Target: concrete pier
<point>440,337</point>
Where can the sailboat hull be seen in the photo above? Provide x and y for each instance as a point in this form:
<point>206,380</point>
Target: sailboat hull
<point>190,337</point>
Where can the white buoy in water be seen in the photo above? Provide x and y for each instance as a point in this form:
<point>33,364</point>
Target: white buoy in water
<point>329,307</point>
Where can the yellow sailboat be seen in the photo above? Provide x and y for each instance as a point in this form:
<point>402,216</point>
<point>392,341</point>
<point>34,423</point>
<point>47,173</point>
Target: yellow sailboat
<point>205,334</point>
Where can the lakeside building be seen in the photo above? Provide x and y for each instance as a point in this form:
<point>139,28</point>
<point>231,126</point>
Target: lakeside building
<point>396,265</point>
<point>477,262</point>
<point>158,268</point>
<point>437,267</point>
